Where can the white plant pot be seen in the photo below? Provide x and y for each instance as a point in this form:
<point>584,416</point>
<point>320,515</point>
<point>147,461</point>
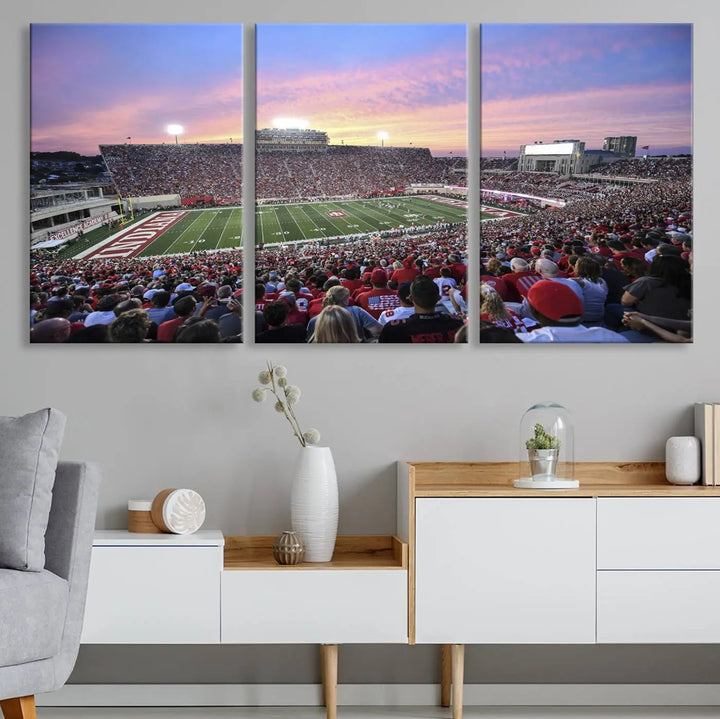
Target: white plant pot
<point>314,503</point>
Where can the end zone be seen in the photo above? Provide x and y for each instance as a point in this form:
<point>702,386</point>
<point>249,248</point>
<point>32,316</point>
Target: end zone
<point>131,242</point>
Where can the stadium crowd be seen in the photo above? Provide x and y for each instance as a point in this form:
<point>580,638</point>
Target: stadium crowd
<point>661,167</point>
<point>378,282</point>
<point>187,170</point>
<point>349,171</point>
<point>616,268</point>
<point>406,288</point>
<point>176,298</point>
<point>199,170</point>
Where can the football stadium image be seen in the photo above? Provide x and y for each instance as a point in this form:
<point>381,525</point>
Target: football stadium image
<point>600,248</point>
<point>361,184</point>
<point>137,240</point>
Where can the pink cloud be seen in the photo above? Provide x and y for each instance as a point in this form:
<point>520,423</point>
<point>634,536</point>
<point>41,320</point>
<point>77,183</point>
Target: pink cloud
<point>658,115</point>
<point>414,100</point>
<point>213,115</point>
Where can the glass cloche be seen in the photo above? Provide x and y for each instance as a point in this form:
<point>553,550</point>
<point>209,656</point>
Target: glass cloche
<point>546,448</point>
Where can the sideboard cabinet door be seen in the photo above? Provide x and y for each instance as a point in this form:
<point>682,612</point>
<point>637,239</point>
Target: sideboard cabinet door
<point>505,570</point>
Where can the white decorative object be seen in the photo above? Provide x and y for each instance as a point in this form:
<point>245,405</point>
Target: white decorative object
<point>180,511</point>
<point>314,503</point>
<point>682,460</point>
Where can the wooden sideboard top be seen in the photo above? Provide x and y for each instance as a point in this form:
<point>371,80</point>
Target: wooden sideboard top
<point>597,479</point>
<point>360,552</point>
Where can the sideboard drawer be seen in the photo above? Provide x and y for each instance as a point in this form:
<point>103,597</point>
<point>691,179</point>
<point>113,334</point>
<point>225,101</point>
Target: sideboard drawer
<point>658,607</point>
<point>658,532</point>
<point>317,606</point>
<point>153,595</point>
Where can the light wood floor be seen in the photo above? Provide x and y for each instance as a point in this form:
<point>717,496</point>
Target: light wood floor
<point>383,713</point>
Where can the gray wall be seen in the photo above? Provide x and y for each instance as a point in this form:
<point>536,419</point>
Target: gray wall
<point>167,416</point>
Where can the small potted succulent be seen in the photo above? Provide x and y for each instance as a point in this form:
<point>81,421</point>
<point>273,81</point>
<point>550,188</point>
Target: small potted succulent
<point>543,451</point>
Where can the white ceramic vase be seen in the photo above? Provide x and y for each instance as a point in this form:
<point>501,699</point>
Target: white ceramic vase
<point>314,503</point>
<point>682,460</point>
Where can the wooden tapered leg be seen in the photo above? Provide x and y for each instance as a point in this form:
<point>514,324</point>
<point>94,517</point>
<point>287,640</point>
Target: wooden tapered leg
<point>457,652</point>
<point>323,674</point>
<point>446,676</point>
<point>330,675</point>
<point>19,708</point>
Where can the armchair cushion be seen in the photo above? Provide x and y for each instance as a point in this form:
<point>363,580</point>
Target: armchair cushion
<point>33,606</point>
<point>29,448</point>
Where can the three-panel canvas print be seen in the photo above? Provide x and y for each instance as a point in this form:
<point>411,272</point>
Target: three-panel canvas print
<point>361,184</point>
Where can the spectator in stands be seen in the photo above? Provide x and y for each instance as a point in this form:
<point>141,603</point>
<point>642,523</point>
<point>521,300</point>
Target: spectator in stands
<point>558,309</point>
<point>53,330</point>
<point>594,290</point>
<point>275,315</point>
<point>426,325</point>
<point>403,310</point>
<point>159,313</point>
<point>366,325</point>
<point>130,326</point>
<point>380,297</point>
<point>335,324</point>
<point>198,330</point>
<point>184,308</point>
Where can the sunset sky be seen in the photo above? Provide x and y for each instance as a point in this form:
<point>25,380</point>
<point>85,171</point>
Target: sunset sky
<point>354,81</point>
<point>98,84</point>
<point>586,82</point>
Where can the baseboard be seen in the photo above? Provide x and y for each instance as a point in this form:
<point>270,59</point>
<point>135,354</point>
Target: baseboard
<point>256,695</point>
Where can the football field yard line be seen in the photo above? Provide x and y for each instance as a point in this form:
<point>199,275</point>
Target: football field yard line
<point>361,212</point>
<point>315,224</point>
<point>322,209</point>
<point>352,214</point>
<point>393,218</point>
<point>294,219</point>
<point>165,251</point>
<point>387,217</point>
<point>200,236</point>
<point>219,239</point>
<point>177,239</point>
<point>268,225</point>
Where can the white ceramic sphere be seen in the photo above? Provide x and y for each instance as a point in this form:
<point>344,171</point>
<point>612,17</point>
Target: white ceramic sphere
<point>682,460</point>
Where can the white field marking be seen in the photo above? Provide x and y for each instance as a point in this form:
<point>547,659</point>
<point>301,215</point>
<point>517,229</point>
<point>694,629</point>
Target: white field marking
<point>317,227</point>
<point>172,244</point>
<point>353,216</point>
<point>223,229</point>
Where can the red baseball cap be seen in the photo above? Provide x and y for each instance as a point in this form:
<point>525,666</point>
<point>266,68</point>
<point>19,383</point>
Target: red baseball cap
<point>378,276</point>
<point>555,300</point>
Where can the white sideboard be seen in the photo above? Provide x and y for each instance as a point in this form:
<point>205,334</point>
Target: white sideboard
<point>205,588</point>
<point>627,558</point>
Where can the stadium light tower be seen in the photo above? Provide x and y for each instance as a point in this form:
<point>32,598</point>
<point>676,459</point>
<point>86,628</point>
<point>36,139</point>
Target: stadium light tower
<point>382,135</point>
<point>175,130</point>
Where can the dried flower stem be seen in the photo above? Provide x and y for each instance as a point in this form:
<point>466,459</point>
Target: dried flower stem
<point>287,409</point>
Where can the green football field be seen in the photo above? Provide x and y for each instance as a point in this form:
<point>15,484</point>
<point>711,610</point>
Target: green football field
<point>217,228</point>
<point>212,229</point>
<point>292,223</point>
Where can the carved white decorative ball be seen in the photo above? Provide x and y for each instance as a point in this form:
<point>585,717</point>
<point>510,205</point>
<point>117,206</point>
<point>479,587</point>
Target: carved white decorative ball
<point>183,511</point>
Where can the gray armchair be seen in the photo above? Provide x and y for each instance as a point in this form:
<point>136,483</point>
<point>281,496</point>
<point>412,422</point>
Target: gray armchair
<point>41,613</point>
